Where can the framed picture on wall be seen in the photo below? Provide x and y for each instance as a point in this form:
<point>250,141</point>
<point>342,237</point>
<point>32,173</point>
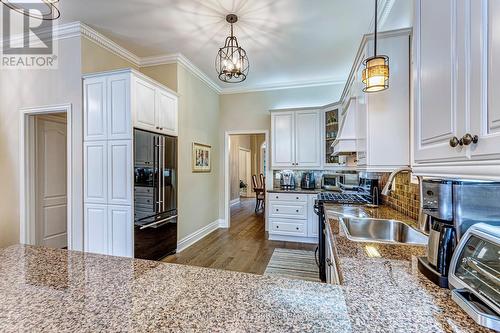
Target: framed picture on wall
<point>202,157</point>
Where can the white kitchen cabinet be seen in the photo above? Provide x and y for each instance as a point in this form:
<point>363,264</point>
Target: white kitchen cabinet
<point>283,139</point>
<point>120,172</point>
<point>96,228</point>
<point>456,49</point>
<point>95,172</point>
<point>95,115</point>
<point>120,231</point>
<point>296,139</point>
<point>115,103</point>
<point>383,118</point>
<point>291,217</point>
<point>308,139</point>
<point>145,105</point>
<point>167,113</point>
<point>118,108</point>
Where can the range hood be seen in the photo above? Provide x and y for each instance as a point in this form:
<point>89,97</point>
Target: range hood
<point>345,144</point>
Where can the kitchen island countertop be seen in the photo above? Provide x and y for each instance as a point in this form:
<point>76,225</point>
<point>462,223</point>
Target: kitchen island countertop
<point>383,289</point>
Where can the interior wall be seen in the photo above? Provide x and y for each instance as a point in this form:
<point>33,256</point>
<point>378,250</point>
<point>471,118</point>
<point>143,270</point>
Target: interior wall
<point>95,58</point>
<point>250,111</point>
<point>35,88</point>
<point>166,74</point>
<point>198,122</point>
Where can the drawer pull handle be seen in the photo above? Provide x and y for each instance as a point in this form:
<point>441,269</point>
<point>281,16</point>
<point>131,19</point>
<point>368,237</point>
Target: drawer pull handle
<point>277,197</point>
<point>297,210</point>
<point>297,228</point>
<point>297,198</point>
<point>277,227</point>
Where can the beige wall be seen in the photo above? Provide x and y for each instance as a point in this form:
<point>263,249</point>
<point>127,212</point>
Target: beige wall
<point>35,88</point>
<point>250,111</point>
<point>97,59</point>
<point>166,74</point>
<point>198,122</point>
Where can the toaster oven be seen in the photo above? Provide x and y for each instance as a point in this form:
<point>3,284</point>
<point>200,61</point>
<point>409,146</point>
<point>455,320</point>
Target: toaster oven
<point>475,275</point>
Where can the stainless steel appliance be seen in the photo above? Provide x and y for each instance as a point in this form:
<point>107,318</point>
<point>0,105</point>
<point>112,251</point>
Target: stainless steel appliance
<point>287,180</point>
<point>475,274</point>
<point>308,181</point>
<point>362,196</point>
<point>452,208</point>
<point>155,195</point>
<point>331,182</point>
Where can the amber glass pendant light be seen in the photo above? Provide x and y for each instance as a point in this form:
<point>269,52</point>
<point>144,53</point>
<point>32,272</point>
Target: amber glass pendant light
<point>376,72</point>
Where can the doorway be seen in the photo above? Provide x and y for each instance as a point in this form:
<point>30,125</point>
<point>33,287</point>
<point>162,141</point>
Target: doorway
<point>46,177</point>
<point>243,159</point>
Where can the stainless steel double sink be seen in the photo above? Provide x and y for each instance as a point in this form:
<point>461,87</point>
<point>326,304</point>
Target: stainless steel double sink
<point>381,231</point>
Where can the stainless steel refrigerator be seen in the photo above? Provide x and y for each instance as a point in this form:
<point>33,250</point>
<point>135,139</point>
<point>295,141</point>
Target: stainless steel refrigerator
<point>155,195</point>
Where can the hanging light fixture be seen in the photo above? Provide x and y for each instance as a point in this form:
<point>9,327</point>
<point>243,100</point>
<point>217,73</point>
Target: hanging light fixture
<point>231,62</point>
<point>376,72</point>
<point>50,13</point>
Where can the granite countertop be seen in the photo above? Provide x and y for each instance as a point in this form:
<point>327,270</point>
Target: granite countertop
<point>383,289</point>
<point>63,291</point>
<point>297,190</point>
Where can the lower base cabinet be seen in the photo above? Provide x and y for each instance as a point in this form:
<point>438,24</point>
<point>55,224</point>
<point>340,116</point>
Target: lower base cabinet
<point>291,217</point>
<point>108,230</point>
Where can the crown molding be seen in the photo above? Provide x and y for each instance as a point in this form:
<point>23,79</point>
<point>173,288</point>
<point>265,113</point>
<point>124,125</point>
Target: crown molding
<point>280,86</point>
<point>108,44</point>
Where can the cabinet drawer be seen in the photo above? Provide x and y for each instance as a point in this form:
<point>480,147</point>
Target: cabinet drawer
<point>288,197</point>
<point>291,210</point>
<point>144,191</point>
<point>146,200</point>
<point>291,228</point>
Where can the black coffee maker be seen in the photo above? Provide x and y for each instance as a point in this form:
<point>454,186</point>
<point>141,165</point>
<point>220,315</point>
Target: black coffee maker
<point>437,203</point>
<point>308,182</point>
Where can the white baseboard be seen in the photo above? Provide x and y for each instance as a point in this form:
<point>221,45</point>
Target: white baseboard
<point>234,202</point>
<point>295,239</point>
<point>197,235</point>
<point>223,224</point>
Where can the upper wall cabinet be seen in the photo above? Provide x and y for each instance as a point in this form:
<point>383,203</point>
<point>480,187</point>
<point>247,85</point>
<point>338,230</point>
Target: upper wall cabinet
<point>457,105</point>
<point>296,138</point>
<point>116,102</point>
<point>382,119</point>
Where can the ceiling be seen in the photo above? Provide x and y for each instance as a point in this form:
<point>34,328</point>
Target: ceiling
<point>288,42</point>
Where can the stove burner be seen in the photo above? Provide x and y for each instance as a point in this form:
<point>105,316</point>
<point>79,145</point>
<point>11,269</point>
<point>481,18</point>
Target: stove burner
<point>344,198</point>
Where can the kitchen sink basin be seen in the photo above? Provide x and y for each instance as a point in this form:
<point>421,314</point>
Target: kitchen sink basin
<point>382,231</point>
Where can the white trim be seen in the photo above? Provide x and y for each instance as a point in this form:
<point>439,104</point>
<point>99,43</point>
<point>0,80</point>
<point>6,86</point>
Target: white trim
<point>197,235</point>
<point>295,239</point>
<point>108,44</point>
<point>26,235</point>
<point>223,224</point>
<point>234,202</point>
<point>269,180</point>
<point>283,85</point>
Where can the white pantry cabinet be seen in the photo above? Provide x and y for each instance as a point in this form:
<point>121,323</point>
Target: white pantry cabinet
<point>296,138</point>
<point>457,105</point>
<point>115,103</point>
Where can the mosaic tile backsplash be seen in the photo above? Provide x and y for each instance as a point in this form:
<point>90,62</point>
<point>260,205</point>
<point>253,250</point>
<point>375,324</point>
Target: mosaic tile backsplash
<point>404,197</point>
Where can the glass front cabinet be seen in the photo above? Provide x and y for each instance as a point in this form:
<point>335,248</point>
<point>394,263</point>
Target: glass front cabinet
<point>331,131</point>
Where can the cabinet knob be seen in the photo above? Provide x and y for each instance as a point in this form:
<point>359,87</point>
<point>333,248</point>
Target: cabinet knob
<point>467,139</point>
<point>277,210</point>
<point>454,142</point>
<point>297,198</point>
<point>297,210</point>
<point>277,227</point>
<point>297,228</point>
<point>277,197</point>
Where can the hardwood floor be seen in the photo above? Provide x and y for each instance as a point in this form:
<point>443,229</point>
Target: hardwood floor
<point>243,247</point>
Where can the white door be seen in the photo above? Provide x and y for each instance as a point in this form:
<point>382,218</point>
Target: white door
<point>51,187</point>
<point>283,139</point>
<point>485,97</point>
<point>145,105</point>
<point>439,86</point>
<point>244,165</point>
<point>167,112</point>
<point>307,139</point>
